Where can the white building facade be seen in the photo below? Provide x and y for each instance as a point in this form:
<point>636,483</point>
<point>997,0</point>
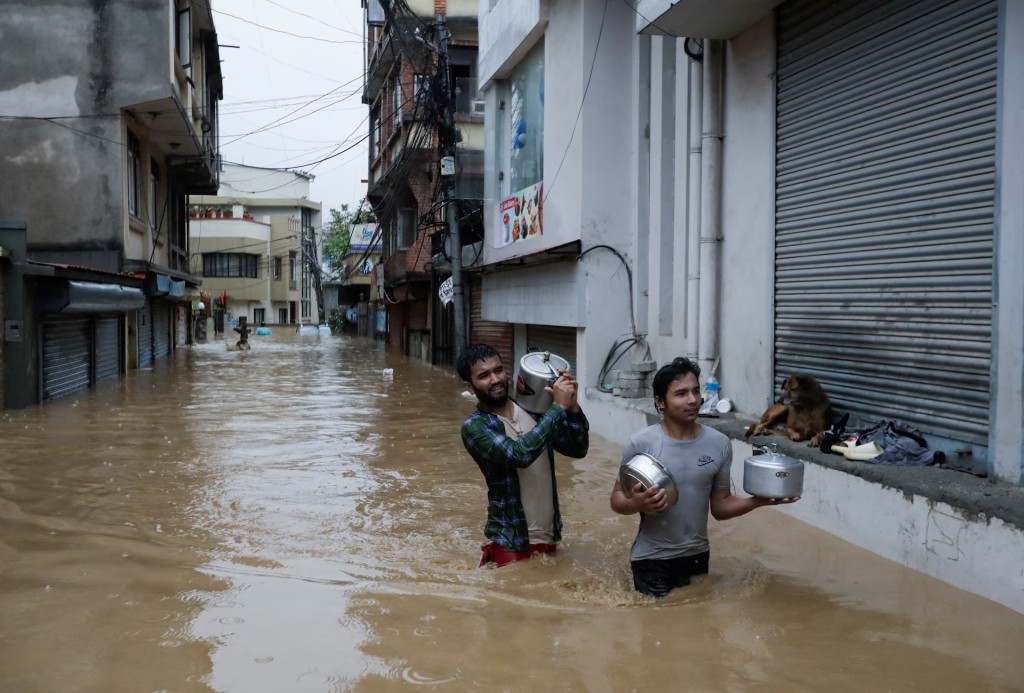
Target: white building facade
<point>806,186</point>
<point>256,246</point>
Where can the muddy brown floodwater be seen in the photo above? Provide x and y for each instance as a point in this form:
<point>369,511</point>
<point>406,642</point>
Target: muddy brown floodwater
<point>288,520</point>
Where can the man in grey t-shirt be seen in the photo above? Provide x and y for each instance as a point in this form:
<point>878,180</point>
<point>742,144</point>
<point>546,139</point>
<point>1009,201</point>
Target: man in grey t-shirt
<point>672,543</point>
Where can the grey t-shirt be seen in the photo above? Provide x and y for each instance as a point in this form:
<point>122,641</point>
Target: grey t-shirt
<point>697,466</point>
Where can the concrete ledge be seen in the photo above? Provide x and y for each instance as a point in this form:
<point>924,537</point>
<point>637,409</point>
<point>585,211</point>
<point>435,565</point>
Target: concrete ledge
<point>972,495</point>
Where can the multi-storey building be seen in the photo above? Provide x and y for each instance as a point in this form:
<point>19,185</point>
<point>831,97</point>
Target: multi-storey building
<point>407,100</point>
<point>254,246</point>
<point>110,122</point>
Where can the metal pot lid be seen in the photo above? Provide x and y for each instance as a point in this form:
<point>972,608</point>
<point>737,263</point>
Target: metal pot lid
<point>769,455</point>
<point>543,363</point>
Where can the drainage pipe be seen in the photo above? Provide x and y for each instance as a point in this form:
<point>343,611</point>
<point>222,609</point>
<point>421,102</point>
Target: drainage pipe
<point>710,205</point>
<point>693,166</point>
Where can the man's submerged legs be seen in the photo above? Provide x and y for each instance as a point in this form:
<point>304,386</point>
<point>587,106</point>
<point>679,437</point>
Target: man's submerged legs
<point>657,578</point>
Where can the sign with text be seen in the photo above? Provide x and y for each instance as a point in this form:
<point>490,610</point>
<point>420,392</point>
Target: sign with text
<point>521,216</point>
<point>447,291</point>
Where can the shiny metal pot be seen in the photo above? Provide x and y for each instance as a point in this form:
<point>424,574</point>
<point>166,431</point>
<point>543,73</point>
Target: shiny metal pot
<point>647,471</point>
<point>768,474</point>
<point>537,370</point>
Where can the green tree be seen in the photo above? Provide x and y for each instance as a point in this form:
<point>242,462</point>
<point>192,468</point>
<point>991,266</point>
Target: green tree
<point>338,234</point>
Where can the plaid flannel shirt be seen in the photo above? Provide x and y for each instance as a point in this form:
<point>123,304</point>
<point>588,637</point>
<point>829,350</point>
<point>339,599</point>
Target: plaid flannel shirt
<point>499,457</point>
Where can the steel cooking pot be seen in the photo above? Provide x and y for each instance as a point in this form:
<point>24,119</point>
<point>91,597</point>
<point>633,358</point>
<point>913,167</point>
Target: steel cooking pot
<point>647,471</point>
<point>768,474</point>
<point>537,370</point>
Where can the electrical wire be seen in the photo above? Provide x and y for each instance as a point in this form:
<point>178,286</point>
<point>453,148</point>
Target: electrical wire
<point>278,31</point>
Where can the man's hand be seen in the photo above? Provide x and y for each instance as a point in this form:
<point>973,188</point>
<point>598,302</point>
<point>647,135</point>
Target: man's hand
<point>567,381</point>
<point>563,391</point>
<point>652,500</point>
<point>777,501</point>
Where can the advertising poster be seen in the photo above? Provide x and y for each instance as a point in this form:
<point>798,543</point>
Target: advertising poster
<point>521,216</point>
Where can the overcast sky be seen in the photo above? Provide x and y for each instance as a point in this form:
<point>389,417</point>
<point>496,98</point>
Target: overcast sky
<point>303,94</point>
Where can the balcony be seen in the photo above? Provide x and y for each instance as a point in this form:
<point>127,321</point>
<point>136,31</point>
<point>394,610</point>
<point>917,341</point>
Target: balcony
<point>395,268</point>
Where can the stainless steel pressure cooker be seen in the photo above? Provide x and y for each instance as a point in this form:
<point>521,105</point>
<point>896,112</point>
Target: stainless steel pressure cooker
<point>537,370</point>
<point>768,474</point>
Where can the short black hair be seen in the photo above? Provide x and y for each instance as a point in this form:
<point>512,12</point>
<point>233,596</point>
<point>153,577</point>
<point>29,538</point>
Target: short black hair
<point>471,355</point>
<point>670,372</point>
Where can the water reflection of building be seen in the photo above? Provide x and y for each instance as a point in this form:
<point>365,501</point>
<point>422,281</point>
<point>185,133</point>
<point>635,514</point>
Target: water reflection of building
<point>252,245</point>
<point>354,291</point>
<point>110,122</point>
<point>406,109</point>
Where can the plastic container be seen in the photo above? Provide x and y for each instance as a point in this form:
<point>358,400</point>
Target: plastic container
<point>710,405</point>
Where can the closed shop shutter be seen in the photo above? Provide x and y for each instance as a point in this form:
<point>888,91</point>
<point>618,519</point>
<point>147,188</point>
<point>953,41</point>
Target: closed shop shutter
<point>144,324</point>
<point>67,355</point>
<point>557,340</point>
<point>107,347</point>
<point>498,334</point>
<point>885,207</point>
<point>161,329</point>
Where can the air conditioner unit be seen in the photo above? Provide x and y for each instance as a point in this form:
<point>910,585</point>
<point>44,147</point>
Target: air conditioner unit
<point>478,107</point>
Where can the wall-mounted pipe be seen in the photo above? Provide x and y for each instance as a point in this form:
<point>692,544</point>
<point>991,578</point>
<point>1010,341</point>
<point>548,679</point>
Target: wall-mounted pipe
<point>710,205</point>
<point>693,170</point>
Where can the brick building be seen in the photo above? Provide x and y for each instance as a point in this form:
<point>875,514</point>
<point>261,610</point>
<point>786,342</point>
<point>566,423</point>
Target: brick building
<point>407,102</point>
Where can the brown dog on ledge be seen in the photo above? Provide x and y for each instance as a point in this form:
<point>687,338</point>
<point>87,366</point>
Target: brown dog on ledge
<point>802,414</point>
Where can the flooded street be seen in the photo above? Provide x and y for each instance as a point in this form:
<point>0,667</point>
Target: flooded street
<point>286,519</point>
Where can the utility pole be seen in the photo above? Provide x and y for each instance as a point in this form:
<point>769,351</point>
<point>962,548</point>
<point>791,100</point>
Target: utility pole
<point>448,142</point>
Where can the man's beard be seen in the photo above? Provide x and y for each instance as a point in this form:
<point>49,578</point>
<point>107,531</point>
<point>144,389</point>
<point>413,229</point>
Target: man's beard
<point>493,401</point>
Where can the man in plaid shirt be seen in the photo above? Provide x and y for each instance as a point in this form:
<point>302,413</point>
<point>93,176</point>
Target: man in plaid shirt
<point>505,440</point>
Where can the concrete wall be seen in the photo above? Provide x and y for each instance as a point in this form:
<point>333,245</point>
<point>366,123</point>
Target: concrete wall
<point>245,183</point>
<point>507,32</point>
<point>981,555</point>
<point>1006,441</point>
<point>64,177</point>
<point>748,220</point>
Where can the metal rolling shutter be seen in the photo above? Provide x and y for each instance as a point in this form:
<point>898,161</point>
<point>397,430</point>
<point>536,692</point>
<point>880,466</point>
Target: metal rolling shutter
<point>144,331</point>
<point>884,207</point>
<point>557,340</point>
<point>107,347</point>
<point>66,344</point>
<point>498,334</point>
<point>161,329</point>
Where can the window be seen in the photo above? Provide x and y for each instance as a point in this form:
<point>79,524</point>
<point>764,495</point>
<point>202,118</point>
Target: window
<point>406,227</point>
<point>259,315</point>
<point>523,157</point>
<point>421,88</point>
<point>230,265</point>
<point>375,132</point>
<point>134,174</point>
<point>292,279</point>
<point>183,37</point>
<point>277,267</point>
<point>154,196</point>
<point>282,316</point>
<point>398,103</point>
